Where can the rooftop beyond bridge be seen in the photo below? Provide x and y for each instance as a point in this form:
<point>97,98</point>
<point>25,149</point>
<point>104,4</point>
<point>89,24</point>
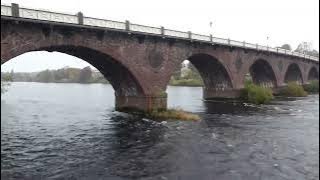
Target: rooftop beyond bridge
<point>139,60</point>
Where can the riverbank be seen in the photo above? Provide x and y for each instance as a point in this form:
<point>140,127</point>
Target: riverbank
<point>186,82</point>
<point>65,82</point>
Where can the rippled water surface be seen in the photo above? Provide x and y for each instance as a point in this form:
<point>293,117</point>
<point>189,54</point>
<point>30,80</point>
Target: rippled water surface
<point>71,131</point>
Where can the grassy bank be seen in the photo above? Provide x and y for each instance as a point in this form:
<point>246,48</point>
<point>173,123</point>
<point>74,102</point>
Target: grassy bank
<point>256,94</point>
<point>293,90</point>
<point>186,82</point>
<point>176,114</point>
<point>162,114</point>
<point>312,87</point>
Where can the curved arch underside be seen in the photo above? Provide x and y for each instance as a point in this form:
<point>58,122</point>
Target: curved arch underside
<point>293,74</point>
<point>313,74</point>
<point>121,79</point>
<point>263,74</point>
<point>213,73</point>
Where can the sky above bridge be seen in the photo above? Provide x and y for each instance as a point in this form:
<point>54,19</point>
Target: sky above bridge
<point>267,22</point>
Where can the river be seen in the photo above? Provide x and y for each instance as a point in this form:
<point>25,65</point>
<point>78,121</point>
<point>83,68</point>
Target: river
<point>71,131</point>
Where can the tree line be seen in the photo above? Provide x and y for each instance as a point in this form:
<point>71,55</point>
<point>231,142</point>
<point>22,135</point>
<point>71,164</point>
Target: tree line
<point>186,75</point>
<point>64,75</point>
<point>304,47</point>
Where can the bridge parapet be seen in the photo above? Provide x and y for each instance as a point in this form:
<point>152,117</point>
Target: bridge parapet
<point>14,11</point>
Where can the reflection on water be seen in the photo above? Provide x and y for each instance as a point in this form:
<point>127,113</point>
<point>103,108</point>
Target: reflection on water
<point>71,131</point>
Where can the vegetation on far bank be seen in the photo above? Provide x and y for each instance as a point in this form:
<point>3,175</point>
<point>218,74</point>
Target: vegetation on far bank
<point>64,75</point>
<point>4,86</point>
<point>5,83</point>
<point>186,82</point>
<point>186,75</point>
<point>181,77</point>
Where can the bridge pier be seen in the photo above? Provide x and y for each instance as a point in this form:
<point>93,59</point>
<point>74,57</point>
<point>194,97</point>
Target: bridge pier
<point>140,103</point>
<point>220,93</point>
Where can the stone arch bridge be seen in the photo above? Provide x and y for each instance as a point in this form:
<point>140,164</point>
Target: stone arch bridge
<point>139,60</point>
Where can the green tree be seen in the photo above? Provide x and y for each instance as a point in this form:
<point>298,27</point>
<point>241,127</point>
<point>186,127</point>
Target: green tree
<point>303,47</point>
<point>73,74</point>
<point>45,76</point>
<point>5,81</point>
<point>11,76</point>
<point>6,77</point>
<point>306,47</point>
<point>314,53</point>
<point>4,86</point>
<point>85,75</point>
<point>286,46</point>
<point>177,73</point>
<point>60,75</point>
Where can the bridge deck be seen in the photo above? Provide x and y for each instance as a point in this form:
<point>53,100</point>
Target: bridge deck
<point>22,13</point>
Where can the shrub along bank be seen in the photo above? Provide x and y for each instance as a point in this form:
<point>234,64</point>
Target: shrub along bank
<point>313,87</point>
<point>293,90</point>
<point>256,94</point>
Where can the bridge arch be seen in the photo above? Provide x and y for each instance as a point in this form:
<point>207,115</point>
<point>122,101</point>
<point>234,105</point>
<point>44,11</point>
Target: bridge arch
<point>262,73</point>
<point>293,74</point>
<point>216,77</point>
<point>119,76</point>
<point>212,71</point>
<point>122,79</point>
<point>313,74</point>
<point>122,59</point>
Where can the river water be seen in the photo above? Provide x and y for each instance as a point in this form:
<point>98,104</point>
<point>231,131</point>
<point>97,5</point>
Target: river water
<point>71,131</point>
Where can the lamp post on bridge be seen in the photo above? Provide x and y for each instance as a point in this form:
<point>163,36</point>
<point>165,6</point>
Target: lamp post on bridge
<point>210,24</point>
<point>211,29</point>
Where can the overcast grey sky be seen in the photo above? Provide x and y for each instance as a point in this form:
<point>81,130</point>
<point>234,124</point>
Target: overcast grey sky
<point>283,21</point>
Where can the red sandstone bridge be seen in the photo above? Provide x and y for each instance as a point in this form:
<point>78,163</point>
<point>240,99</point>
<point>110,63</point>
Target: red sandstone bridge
<point>139,60</point>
